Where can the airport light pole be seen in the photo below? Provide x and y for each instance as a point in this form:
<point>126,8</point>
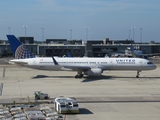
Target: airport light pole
<point>133,32</point>
<point>25,30</point>
<point>9,28</point>
<point>70,34</point>
<point>141,35</point>
<point>42,34</point>
<point>87,33</point>
<point>129,33</point>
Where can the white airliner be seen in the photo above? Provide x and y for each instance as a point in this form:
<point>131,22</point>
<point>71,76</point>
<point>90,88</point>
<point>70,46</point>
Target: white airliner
<point>83,66</point>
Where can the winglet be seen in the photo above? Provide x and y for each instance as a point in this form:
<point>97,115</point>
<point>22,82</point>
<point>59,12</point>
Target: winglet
<point>19,50</point>
<point>55,62</point>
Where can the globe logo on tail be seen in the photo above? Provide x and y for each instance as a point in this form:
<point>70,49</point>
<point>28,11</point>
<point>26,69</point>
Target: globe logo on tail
<point>22,52</point>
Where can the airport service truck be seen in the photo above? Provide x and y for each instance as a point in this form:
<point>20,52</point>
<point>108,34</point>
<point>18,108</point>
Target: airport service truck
<point>38,95</point>
<point>66,105</point>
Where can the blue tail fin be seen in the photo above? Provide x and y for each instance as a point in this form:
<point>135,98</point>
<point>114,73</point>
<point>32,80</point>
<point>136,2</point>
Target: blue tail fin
<point>19,50</point>
<point>68,55</point>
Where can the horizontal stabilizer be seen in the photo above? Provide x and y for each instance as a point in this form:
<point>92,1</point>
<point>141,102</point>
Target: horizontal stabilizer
<point>18,62</point>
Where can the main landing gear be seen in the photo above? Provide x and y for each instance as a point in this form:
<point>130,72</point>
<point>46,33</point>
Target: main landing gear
<point>79,74</point>
<point>138,74</point>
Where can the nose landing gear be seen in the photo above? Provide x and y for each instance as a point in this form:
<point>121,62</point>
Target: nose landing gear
<point>138,73</point>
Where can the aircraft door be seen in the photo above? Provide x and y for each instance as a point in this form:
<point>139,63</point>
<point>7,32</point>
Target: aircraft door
<point>34,64</point>
<point>110,65</point>
<point>31,63</point>
<point>141,63</point>
<point>111,62</point>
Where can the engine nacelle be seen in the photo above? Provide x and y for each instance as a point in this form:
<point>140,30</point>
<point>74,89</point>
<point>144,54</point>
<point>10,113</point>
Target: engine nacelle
<point>94,72</point>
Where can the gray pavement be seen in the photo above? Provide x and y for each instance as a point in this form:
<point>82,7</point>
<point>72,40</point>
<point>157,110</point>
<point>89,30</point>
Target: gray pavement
<point>117,95</point>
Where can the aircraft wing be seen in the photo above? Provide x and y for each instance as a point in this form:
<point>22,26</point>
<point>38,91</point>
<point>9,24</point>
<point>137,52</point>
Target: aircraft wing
<point>75,68</point>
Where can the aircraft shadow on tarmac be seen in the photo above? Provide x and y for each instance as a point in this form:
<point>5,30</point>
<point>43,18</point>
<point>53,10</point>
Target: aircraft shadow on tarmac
<point>95,78</point>
<point>103,77</point>
<point>84,79</point>
<point>45,76</point>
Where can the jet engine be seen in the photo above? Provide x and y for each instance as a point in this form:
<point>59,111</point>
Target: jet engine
<point>94,72</point>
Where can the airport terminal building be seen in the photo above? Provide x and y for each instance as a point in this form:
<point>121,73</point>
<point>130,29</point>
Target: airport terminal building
<point>79,48</point>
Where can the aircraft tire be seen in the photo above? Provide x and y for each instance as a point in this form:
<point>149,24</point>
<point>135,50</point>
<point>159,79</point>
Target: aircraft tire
<point>80,76</point>
<point>76,76</point>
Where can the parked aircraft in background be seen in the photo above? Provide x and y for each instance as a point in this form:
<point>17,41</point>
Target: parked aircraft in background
<point>83,66</point>
<point>130,52</point>
<point>68,55</point>
<point>137,53</point>
<point>140,54</point>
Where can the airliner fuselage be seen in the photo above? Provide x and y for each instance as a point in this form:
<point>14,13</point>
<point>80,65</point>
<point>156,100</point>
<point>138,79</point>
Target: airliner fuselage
<point>96,65</point>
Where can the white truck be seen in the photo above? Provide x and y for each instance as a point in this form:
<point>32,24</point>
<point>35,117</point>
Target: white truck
<point>38,95</point>
<point>66,105</point>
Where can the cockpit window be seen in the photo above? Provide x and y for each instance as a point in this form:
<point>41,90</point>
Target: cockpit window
<point>149,63</point>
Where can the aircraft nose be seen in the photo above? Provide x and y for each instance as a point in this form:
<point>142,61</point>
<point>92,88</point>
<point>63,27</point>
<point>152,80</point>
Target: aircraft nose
<point>154,66</point>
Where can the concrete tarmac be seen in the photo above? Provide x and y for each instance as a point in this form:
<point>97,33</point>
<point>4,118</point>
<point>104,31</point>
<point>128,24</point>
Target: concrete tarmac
<point>116,95</point>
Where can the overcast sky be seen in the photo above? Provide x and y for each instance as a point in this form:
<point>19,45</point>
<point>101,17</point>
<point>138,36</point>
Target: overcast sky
<point>105,18</point>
